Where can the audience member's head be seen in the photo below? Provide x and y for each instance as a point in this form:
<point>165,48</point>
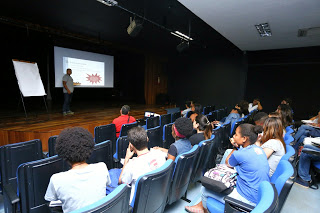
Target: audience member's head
<point>260,118</point>
<point>247,133</point>
<point>203,124</point>
<point>273,129</point>
<point>138,138</point>
<point>274,115</point>
<point>286,114</point>
<point>74,144</point>
<point>189,104</point>
<point>287,101</point>
<point>182,128</point>
<point>255,101</point>
<point>243,106</point>
<point>125,109</point>
<point>197,108</point>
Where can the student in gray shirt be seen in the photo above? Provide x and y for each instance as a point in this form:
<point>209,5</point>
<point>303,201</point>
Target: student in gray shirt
<point>67,92</point>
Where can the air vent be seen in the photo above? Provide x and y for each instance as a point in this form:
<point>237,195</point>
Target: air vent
<point>302,32</point>
<point>309,32</point>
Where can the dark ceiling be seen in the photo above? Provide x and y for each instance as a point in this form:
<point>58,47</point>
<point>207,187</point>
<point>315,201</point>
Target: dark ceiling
<point>96,20</point>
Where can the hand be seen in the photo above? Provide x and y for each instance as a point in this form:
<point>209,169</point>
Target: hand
<point>215,122</point>
<point>130,152</point>
<point>233,143</point>
<point>69,92</point>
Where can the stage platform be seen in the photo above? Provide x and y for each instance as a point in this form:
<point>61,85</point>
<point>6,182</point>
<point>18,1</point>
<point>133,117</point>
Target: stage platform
<point>41,126</point>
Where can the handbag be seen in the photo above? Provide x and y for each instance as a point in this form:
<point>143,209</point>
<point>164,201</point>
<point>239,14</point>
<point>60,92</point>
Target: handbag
<point>221,179</point>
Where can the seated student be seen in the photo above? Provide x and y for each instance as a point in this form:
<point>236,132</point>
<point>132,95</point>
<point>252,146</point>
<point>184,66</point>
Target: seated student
<point>124,118</point>
<point>196,110</point>
<point>204,130</point>
<point>255,105</point>
<point>189,105</point>
<point>286,114</point>
<point>251,164</point>
<point>272,142</point>
<point>181,130</point>
<point>260,118</point>
<point>232,117</point>
<point>304,130</point>
<point>145,162</point>
<point>84,183</point>
<point>244,107</point>
<point>304,178</point>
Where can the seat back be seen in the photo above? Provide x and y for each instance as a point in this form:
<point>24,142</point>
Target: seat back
<point>126,127</point>
<point>207,109</point>
<point>151,189</point>
<point>12,155</point>
<point>281,178</point>
<point>205,148</point>
<point>175,116</point>
<point>104,133</point>
<point>217,132</point>
<point>267,198</point>
<point>215,114</point>
<point>102,152</point>
<point>121,149</point>
<point>165,119</point>
<point>226,135</point>
<point>154,136</point>
<point>52,145</point>
<point>289,130</point>
<point>288,139</point>
<point>234,126</point>
<point>115,202</point>
<point>167,136</point>
<point>210,117</point>
<point>33,180</point>
<point>152,122</point>
<point>290,151</point>
<point>182,173</point>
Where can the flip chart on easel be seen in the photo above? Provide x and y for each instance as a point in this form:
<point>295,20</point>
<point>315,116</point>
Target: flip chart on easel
<point>29,80</point>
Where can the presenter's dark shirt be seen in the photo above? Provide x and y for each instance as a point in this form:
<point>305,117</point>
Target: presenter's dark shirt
<point>119,121</point>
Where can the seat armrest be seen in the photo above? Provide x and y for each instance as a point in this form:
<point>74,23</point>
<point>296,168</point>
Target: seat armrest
<point>233,204</point>
<point>11,194</point>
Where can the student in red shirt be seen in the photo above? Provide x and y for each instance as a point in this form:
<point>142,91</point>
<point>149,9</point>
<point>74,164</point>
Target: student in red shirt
<point>124,118</point>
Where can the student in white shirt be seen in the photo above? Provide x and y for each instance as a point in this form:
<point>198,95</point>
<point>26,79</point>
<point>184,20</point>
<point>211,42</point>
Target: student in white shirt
<point>255,105</point>
<point>84,183</point>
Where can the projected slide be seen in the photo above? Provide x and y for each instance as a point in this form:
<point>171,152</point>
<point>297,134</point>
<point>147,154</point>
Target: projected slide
<point>88,69</point>
<point>85,72</point>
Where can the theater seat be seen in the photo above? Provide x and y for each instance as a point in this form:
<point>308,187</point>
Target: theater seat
<point>290,152</point>
<point>105,132</point>
<point>151,190</point>
<point>52,145</point>
<point>167,136</point>
<point>282,180</point>
<point>205,148</point>
<point>102,152</point>
<point>182,173</point>
<point>152,122</point>
<point>126,127</point>
<point>12,155</point>
<point>175,116</point>
<point>116,202</point>
<point>267,201</point>
<point>121,149</point>
<point>33,180</point>
<point>289,130</point>
<point>288,139</point>
<point>154,135</point>
<point>165,119</point>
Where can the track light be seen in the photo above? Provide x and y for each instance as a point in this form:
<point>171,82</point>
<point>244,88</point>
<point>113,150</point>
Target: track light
<point>108,2</point>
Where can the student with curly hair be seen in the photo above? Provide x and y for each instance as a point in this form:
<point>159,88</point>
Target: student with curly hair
<point>181,131</point>
<point>204,129</point>
<point>84,183</point>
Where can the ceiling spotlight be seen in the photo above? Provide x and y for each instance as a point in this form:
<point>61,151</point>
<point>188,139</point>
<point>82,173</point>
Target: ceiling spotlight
<point>181,35</point>
<point>108,2</point>
<point>134,27</point>
<point>263,29</point>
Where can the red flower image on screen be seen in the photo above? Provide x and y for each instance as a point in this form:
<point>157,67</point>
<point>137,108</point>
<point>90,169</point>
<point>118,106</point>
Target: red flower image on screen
<point>94,78</point>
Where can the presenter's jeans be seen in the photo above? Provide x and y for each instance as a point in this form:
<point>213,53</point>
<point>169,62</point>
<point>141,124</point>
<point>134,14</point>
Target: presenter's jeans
<point>67,101</point>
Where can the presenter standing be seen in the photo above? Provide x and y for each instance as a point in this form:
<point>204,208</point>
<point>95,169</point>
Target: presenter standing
<point>67,92</point>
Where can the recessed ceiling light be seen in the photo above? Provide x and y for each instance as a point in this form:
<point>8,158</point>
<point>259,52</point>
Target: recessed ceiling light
<point>263,29</point>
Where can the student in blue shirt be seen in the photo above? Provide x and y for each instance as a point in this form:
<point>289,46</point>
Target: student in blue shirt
<point>251,163</point>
